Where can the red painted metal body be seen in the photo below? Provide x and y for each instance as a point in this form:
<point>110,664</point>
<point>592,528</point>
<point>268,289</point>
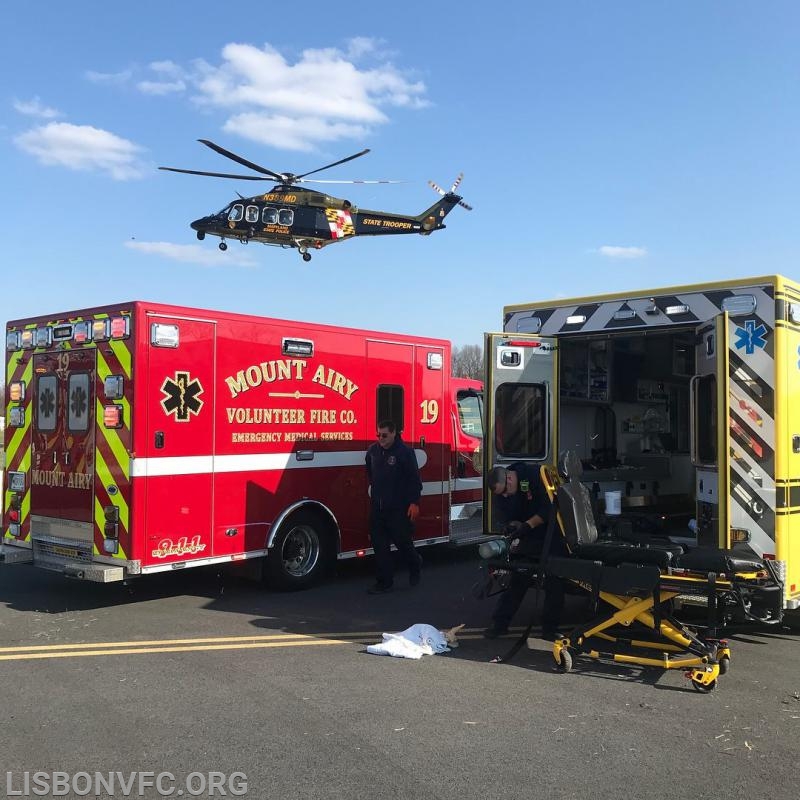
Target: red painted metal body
<point>226,426</point>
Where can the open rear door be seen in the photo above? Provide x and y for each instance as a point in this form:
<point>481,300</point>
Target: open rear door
<point>520,402</point>
<point>710,433</point>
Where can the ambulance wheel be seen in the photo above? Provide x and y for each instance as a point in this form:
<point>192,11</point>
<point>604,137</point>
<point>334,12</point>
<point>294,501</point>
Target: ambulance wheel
<point>299,554</point>
<point>564,660</point>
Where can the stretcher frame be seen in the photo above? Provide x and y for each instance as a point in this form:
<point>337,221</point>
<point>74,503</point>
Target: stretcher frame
<point>634,587</point>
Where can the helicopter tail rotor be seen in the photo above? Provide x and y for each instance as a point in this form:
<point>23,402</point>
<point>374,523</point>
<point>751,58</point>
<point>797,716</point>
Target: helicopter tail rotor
<point>456,184</point>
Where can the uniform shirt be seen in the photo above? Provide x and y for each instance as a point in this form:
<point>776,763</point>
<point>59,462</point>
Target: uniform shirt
<point>393,476</point>
<point>529,499</point>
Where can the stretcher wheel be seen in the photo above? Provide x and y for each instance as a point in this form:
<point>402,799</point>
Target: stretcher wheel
<point>704,688</point>
<point>564,660</point>
<point>724,665</point>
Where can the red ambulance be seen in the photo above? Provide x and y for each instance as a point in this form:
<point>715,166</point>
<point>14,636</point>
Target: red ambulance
<point>143,438</point>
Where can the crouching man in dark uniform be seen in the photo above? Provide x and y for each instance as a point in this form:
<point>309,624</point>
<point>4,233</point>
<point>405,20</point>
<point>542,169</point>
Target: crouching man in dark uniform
<point>395,489</point>
<point>523,507</point>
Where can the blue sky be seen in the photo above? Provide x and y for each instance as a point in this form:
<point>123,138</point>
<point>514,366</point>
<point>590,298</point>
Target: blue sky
<point>605,146</point>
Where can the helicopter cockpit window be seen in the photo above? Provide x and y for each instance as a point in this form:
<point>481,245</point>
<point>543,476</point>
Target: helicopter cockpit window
<point>236,213</point>
<point>285,216</point>
<point>251,214</point>
<point>269,216</point>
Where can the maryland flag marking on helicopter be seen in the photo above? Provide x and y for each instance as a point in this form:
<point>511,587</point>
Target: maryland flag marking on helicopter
<point>340,222</point>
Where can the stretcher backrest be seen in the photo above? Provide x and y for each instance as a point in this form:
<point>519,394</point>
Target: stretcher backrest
<point>574,502</point>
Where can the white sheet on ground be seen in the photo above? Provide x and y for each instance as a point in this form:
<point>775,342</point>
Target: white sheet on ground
<point>414,642</point>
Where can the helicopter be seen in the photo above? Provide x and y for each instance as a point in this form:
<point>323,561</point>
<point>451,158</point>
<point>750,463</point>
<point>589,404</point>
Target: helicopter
<point>289,215</point>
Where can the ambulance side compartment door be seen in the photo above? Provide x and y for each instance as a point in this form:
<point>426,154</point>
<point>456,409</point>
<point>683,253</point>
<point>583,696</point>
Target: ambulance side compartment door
<point>180,444</point>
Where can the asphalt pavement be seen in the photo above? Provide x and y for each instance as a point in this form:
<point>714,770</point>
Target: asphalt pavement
<point>205,671</point>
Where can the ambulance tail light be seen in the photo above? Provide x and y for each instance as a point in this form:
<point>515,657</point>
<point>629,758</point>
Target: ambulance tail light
<point>112,416</point>
<point>14,507</point>
<point>111,530</point>
<point>16,391</point>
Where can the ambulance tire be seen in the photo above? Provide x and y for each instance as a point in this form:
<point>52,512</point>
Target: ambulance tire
<point>300,554</point>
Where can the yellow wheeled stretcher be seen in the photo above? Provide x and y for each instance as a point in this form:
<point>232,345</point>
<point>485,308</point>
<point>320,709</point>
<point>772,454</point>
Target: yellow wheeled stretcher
<point>634,585</point>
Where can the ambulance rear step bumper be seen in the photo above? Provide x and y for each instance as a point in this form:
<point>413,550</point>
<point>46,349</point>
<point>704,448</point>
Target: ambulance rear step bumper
<point>96,573</point>
<point>15,555</point>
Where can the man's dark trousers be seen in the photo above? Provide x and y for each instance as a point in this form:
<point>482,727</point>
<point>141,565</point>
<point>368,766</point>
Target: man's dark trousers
<point>392,527</point>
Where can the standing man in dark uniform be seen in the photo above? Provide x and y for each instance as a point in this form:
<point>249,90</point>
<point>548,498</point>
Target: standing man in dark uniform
<point>523,508</point>
<point>395,489</point>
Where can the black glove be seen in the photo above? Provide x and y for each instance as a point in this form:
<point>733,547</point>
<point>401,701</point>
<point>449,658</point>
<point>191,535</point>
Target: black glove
<point>516,528</point>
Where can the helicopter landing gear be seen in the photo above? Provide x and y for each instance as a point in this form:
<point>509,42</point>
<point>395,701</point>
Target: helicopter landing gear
<point>306,256</point>
<point>223,246</point>
<point>201,235</point>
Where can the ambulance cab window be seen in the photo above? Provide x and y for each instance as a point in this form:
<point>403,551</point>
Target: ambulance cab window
<point>236,212</point>
<point>269,216</point>
<point>285,216</point>
<point>390,405</point>
<point>46,402</point>
<point>470,413</point>
<point>520,423</point>
<point>79,402</point>
<point>251,214</point>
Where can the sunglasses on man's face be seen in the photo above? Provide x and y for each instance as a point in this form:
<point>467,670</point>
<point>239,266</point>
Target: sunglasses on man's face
<point>384,435</point>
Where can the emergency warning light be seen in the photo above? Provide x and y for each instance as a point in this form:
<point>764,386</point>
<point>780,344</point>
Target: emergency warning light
<point>119,327</point>
<point>99,330</point>
<point>44,337</point>
<point>82,332</point>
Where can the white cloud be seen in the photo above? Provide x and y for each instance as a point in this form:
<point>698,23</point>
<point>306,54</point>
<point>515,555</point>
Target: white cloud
<point>171,79</point>
<point>323,96</point>
<point>161,87</point>
<point>109,77</point>
<point>82,147</point>
<point>34,108</point>
<point>360,46</point>
<point>193,254</point>
<point>611,251</point>
<point>292,133</point>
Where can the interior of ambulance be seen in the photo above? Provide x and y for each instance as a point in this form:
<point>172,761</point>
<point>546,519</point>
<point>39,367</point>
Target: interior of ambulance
<point>624,411</point>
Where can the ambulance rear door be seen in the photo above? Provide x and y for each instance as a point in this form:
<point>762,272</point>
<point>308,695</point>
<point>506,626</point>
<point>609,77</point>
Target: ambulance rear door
<point>710,432</point>
<point>521,404</point>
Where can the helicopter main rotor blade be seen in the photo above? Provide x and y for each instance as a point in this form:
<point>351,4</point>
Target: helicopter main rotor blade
<point>243,161</point>
<point>322,180</point>
<point>218,174</point>
<point>334,164</point>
